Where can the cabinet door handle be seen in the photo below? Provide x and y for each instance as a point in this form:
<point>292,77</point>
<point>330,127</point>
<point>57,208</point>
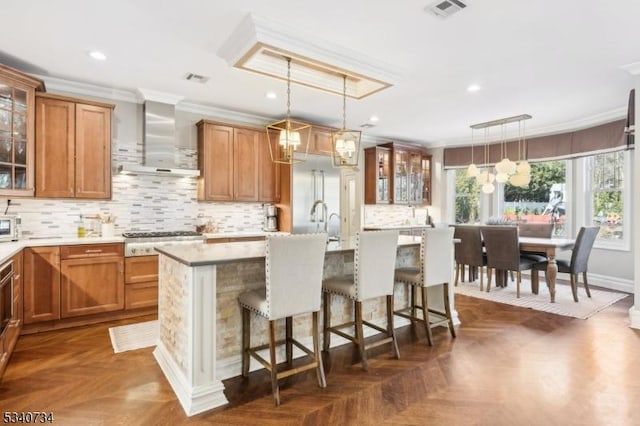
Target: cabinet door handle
<point>93,251</point>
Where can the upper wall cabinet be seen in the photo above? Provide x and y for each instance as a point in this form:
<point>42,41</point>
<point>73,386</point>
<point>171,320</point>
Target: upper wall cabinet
<point>397,174</point>
<point>235,164</point>
<point>17,98</point>
<point>73,148</point>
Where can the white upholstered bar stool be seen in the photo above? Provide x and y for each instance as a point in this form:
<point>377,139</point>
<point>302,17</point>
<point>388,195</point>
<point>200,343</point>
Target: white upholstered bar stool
<point>436,263</point>
<point>293,275</point>
<point>374,262</point>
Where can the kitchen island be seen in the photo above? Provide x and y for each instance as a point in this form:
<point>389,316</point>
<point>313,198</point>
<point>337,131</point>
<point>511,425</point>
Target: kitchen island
<point>200,321</point>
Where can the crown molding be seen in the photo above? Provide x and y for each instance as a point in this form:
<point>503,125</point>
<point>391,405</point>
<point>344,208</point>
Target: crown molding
<point>87,89</point>
<point>633,68</point>
<point>567,126</point>
<point>326,61</point>
<point>224,114</point>
<point>156,96</point>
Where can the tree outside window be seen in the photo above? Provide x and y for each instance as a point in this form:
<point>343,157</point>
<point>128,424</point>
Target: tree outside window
<point>607,184</point>
<point>543,201</point>
<point>467,198</point>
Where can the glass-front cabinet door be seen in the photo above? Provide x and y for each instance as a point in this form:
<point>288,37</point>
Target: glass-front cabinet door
<point>426,179</point>
<point>401,176</point>
<point>17,94</point>
<point>415,178</point>
<point>383,159</point>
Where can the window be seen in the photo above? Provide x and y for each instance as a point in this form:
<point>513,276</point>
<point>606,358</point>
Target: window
<point>467,198</point>
<point>544,200</point>
<point>606,180</point>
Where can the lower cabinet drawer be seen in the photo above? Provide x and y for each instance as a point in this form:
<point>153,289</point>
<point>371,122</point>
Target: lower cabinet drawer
<point>141,295</point>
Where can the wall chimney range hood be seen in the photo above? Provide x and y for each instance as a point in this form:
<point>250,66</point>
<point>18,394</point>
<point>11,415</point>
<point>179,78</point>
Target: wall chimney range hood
<point>159,147</point>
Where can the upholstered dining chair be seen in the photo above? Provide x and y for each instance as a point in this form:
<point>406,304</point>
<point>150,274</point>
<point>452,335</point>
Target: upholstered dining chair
<point>535,230</point>
<point>503,253</point>
<point>374,262</point>
<point>293,286</point>
<point>469,252</point>
<point>436,260</point>
<point>579,260</point>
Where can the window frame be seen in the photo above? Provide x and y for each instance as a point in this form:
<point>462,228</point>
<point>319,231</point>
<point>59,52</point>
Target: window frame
<point>623,244</point>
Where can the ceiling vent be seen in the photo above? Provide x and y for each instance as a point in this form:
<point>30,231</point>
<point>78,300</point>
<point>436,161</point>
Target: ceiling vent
<point>367,125</point>
<point>446,8</point>
<point>197,78</point>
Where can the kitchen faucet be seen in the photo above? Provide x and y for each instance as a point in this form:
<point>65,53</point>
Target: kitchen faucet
<point>337,236</point>
<point>324,213</point>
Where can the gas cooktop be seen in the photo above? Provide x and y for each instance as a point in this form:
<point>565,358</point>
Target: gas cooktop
<point>161,234</point>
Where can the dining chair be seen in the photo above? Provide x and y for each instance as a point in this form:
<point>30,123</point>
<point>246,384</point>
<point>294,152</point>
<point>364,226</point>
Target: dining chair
<point>293,286</point>
<point>503,253</point>
<point>436,260</point>
<point>535,230</point>
<point>579,260</point>
<point>469,252</point>
<point>373,269</point>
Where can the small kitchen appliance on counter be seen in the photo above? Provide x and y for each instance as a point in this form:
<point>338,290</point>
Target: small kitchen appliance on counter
<point>270,218</point>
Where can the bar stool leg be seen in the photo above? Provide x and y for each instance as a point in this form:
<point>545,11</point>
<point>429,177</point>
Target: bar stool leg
<point>359,332</point>
<point>246,340</point>
<point>390,329</point>
<point>455,281</point>
<point>288,340</point>
<point>274,367</point>
<point>326,320</point>
<point>322,382</point>
<point>447,309</point>
<point>425,314</point>
<point>413,303</point>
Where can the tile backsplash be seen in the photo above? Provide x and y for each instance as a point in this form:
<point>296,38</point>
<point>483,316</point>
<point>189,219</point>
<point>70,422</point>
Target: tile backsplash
<point>139,203</point>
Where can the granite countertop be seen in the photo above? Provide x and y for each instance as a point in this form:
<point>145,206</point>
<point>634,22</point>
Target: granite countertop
<point>213,254</point>
<point>9,249</point>
<point>241,234</point>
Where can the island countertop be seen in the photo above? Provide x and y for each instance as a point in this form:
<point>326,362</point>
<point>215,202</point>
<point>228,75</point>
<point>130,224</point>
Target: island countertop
<point>215,254</point>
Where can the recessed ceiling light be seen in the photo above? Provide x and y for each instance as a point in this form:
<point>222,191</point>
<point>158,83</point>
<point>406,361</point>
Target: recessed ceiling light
<point>99,56</point>
<point>374,118</point>
<point>473,88</point>
<point>271,95</point>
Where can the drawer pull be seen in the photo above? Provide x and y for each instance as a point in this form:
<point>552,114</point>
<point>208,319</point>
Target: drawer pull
<point>93,251</point>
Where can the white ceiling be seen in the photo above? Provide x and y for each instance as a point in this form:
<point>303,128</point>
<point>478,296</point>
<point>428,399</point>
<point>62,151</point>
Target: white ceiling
<point>556,60</point>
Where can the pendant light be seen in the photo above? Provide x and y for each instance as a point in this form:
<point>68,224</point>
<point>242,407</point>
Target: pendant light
<point>522,176</point>
<point>486,177</point>
<point>472,170</point>
<point>288,139</point>
<point>346,143</point>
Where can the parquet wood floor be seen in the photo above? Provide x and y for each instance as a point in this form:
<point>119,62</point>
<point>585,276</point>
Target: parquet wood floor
<point>508,366</point>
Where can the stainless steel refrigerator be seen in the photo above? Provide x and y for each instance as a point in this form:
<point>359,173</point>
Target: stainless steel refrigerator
<point>316,196</point>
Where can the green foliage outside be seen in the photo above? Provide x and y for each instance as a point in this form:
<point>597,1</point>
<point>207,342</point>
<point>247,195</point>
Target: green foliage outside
<point>467,202</point>
<point>543,175</point>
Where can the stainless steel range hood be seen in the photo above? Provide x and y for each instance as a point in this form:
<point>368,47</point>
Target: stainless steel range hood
<point>159,148</point>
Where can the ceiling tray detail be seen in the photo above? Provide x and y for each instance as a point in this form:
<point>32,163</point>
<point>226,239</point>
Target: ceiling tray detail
<point>258,44</point>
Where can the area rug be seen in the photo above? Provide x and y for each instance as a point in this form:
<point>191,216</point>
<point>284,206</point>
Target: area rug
<point>134,336</point>
<point>564,304</point>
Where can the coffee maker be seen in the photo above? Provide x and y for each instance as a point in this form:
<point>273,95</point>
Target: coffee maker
<point>270,218</point>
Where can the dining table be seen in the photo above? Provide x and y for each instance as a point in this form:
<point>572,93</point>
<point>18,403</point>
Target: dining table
<point>548,246</point>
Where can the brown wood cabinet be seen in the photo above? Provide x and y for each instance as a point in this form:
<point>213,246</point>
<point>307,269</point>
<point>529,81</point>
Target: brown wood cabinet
<point>407,175</point>
<point>70,281</point>
<point>377,180</point>
<point>9,337</point>
<point>17,103</point>
<point>73,148</point>
<point>141,282</point>
<point>320,142</point>
<point>234,164</point>
<point>91,285</point>
<point>41,273</point>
